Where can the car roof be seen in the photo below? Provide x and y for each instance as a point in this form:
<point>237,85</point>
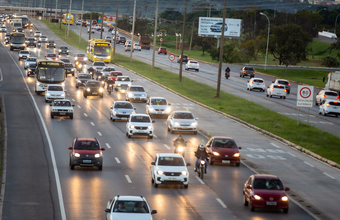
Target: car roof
<point>282,80</point>
<point>86,139</point>
<point>169,155</point>
<point>265,176</point>
<point>329,91</point>
<point>65,100</point>
<point>140,115</point>
<point>121,101</point>
<point>222,137</point>
<point>182,112</point>
<point>136,86</point>
<point>51,53</point>
<point>127,198</point>
<point>258,78</point>
<point>332,100</point>
<point>155,97</point>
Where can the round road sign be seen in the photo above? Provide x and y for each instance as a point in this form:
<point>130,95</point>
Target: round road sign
<point>161,39</point>
<point>305,93</point>
<point>171,57</point>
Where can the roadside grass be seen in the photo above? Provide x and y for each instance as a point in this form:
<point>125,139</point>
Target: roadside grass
<point>309,137</point>
<point>310,77</point>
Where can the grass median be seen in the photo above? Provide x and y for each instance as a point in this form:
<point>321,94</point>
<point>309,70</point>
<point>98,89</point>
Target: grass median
<point>309,137</point>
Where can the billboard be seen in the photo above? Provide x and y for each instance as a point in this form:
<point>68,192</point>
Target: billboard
<point>212,27</point>
<point>108,19</point>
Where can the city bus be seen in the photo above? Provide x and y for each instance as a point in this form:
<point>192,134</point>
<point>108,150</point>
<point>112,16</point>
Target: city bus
<point>69,19</point>
<point>48,72</point>
<point>99,50</point>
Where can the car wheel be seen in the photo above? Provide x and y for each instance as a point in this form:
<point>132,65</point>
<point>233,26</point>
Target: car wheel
<point>251,207</point>
<point>77,87</point>
<point>85,96</point>
<point>46,101</point>
<point>237,164</point>
<point>129,136</point>
<point>319,112</point>
<point>152,180</point>
<point>186,186</point>
<point>245,202</point>
<point>151,137</point>
<point>281,97</point>
<point>71,166</point>
<point>263,90</point>
<point>210,161</point>
<point>171,131</point>
<point>288,91</point>
<point>195,132</point>
<point>52,116</point>
<point>284,97</point>
<point>71,116</point>
<point>100,167</point>
<point>247,88</point>
<point>285,210</point>
<point>324,113</point>
<point>270,96</point>
<point>267,94</point>
<point>155,184</point>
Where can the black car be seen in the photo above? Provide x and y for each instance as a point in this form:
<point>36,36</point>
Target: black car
<point>31,42</point>
<point>64,50</point>
<point>20,30</point>
<point>82,79</point>
<point>185,59</point>
<point>31,69</point>
<point>69,68</point>
<point>247,71</point>
<point>121,40</point>
<point>51,43</point>
<point>93,88</point>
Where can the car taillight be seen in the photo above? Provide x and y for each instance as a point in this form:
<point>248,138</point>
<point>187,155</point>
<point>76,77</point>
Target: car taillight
<point>272,89</point>
<point>285,90</point>
<point>337,97</point>
<point>288,84</point>
<point>244,72</point>
<point>327,105</point>
<point>324,96</point>
<point>264,83</point>
<point>253,72</point>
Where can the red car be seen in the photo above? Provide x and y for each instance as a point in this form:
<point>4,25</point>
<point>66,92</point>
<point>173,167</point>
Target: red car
<point>86,152</point>
<point>265,191</point>
<point>51,56</point>
<point>162,50</point>
<point>114,74</point>
<point>223,150</point>
<point>81,57</point>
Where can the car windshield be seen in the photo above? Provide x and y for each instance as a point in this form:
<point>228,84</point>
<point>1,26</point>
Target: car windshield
<point>194,62</point>
<point>139,118</point>
<point>224,143</point>
<point>33,66</point>
<point>331,93</point>
<point>334,103</point>
<point>249,68</point>
<point>283,82</point>
<point>31,59</point>
<point>126,78</point>
<point>109,69</point>
<point>80,55</point>
<point>51,55</point>
<point>63,47</point>
<point>123,105</point>
<point>24,52</point>
<point>137,89</point>
<point>278,87</point>
<point>85,76</point>
<point>98,64</point>
<point>271,184</point>
<point>51,42</point>
<point>116,74</point>
<point>183,115</point>
<point>93,84</point>
<point>65,60</point>
<point>62,103</point>
<point>31,39</point>
<point>258,80</point>
<point>55,88</point>
<point>158,102</point>
<point>86,145</point>
<point>131,207</point>
<point>170,161</point>
<point>43,36</point>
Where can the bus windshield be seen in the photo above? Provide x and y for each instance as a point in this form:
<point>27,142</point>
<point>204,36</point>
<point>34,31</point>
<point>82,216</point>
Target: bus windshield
<point>18,39</point>
<point>102,50</point>
<point>51,74</point>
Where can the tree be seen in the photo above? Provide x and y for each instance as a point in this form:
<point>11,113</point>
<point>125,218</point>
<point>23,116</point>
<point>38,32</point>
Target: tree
<point>95,16</point>
<point>171,14</point>
<point>253,47</point>
<point>206,43</point>
<point>229,53</point>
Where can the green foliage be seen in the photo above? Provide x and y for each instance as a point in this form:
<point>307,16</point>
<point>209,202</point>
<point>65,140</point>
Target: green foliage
<point>95,16</point>
<point>330,61</point>
<point>171,14</point>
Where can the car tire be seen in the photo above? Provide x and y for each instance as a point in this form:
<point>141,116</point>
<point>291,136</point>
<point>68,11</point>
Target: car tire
<point>77,87</point>
<point>237,164</point>
<point>85,96</point>
<point>210,161</point>
<point>285,210</point>
<point>195,132</point>
<point>129,136</point>
<point>155,184</point>
<point>152,180</point>
<point>247,88</point>
<point>288,91</point>
<point>267,95</point>
<point>186,186</point>
<point>319,112</point>
<point>270,96</point>
<point>150,137</point>
<point>284,97</point>
<point>52,116</point>
<point>251,207</point>
<point>171,131</point>
<point>100,167</point>
<point>245,202</point>
<point>71,116</point>
<point>263,90</point>
<point>46,101</point>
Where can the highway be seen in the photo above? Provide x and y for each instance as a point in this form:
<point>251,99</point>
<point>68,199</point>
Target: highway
<point>40,184</point>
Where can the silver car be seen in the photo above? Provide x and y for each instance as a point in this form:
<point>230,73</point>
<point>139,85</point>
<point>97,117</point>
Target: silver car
<point>106,71</point>
<point>158,106</point>
<point>136,93</point>
<point>30,60</point>
<point>122,83</point>
<point>182,121</point>
<point>98,65</point>
<point>121,109</point>
<point>24,54</point>
<point>217,27</point>
<point>325,94</point>
<point>331,107</point>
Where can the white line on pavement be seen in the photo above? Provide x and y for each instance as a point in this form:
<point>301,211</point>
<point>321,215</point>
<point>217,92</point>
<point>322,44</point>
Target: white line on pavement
<point>68,93</point>
<point>118,161</point>
<point>128,178</point>
<point>291,154</point>
<point>107,145</point>
<point>274,145</point>
<point>85,114</point>
<point>92,123</point>
<point>167,146</point>
<point>1,78</point>
<point>329,176</point>
<point>222,203</point>
<point>199,180</point>
<point>308,164</point>
<point>154,136</point>
<point>73,100</point>
<point>100,134</point>
<point>79,106</point>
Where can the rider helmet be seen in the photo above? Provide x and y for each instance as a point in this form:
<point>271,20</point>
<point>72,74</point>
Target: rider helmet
<point>201,147</point>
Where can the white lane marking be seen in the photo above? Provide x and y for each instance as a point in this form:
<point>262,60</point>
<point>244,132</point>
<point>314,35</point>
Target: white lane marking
<point>274,145</point>
<point>4,156</point>
<point>79,106</point>
<point>85,114</point>
<point>167,146</point>
<point>154,136</point>
<point>199,180</point>
<point>107,145</point>
<point>92,123</point>
<point>222,203</point>
<point>128,178</point>
<point>117,160</point>
<point>1,78</point>
<point>291,154</point>
<point>54,163</point>
<point>68,93</point>
<point>308,164</point>
<point>73,100</point>
<point>329,176</point>
<point>100,134</point>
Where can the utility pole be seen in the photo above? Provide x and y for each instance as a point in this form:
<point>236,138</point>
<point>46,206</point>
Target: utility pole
<point>68,29</point>
<point>182,44</point>
<point>154,38</point>
<point>81,25</point>
<point>61,12</point>
<point>56,9</point>
<point>101,30</point>
<point>43,9</point>
<point>90,21</point>
<point>50,11</point>
<point>192,33</point>
<point>114,40</point>
<point>221,51</point>
<point>133,29</point>
<point>66,18</point>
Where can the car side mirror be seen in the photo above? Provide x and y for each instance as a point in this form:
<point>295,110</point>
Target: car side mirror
<point>188,164</point>
<point>134,108</point>
<point>239,147</point>
<point>272,81</point>
<point>107,210</point>
<point>76,77</point>
<point>65,90</point>
<point>51,104</point>
<point>248,187</point>
<point>131,80</point>
<point>70,148</point>
<point>153,163</point>
<point>153,212</point>
<point>153,121</point>
<point>103,149</point>
<point>287,189</point>
<point>196,118</point>
<point>111,107</point>
<point>72,105</point>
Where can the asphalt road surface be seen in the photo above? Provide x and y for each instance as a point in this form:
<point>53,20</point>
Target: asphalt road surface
<point>40,184</point>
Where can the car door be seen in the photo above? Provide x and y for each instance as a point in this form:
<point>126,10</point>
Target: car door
<point>109,206</point>
<point>248,191</point>
<point>153,166</point>
<point>169,120</point>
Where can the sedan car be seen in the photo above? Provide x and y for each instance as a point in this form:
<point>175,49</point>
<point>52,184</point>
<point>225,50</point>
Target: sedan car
<point>137,47</point>
<point>43,39</point>
<point>78,22</point>
<point>162,50</point>
<point>24,54</point>
<point>169,169</point>
<point>69,68</point>
<point>19,30</point>
<point>108,39</point>
<point>30,70</point>
<point>54,91</point>
<point>128,207</point>
<point>86,152</point>
<point>51,56</point>
<point>37,34</point>
<point>63,50</point>
<point>128,48</point>
<point>185,59</point>
<point>325,94</point>
<point>115,74</point>
<point>31,42</point>
<point>98,66</point>
<point>217,27</point>
<point>51,43</point>
<point>256,83</point>
<point>81,57</point>
<point>192,65</point>
<point>139,124</point>
<point>82,79</point>
<point>106,71</point>
<point>92,31</point>
<point>330,107</point>
<point>136,93</point>
<point>265,191</point>
<point>121,40</point>
<point>223,150</point>
<point>247,71</point>
<point>122,83</point>
<point>276,90</point>
<point>158,106</point>
<point>3,29</point>
<point>121,109</point>
<point>62,107</point>
<point>30,60</point>
<point>93,88</point>
<point>283,82</point>
<point>182,121</point>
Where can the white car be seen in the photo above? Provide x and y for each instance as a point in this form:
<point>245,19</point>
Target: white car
<point>276,90</point>
<point>122,83</point>
<point>158,106</point>
<point>325,94</point>
<point>121,109</point>
<point>54,91</point>
<point>78,22</point>
<point>43,39</point>
<point>113,32</point>
<point>169,169</point>
<point>331,107</point>
<point>256,83</point>
<point>136,93</point>
<point>88,30</point>
<point>37,34</point>
<point>62,107</point>
<point>3,29</point>
<point>128,208</point>
<point>127,42</point>
<point>98,65</point>
<point>30,60</point>
<point>182,121</point>
<point>137,47</point>
<point>192,65</point>
<point>24,54</point>
<point>139,124</point>
<point>106,71</point>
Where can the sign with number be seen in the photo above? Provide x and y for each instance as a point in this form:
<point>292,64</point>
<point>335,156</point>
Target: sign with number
<point>171,57</point>
<point>305,96</point>
<point>161,39</point>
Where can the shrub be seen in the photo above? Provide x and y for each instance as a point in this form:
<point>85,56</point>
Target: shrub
<point>330,61</point>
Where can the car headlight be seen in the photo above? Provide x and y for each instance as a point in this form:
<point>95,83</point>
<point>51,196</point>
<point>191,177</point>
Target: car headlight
<point>97,155</point>
<point>70,110</point>
<point>68,51</point>
<point>257,197</point>
<point>160,172</point>
<point>101,90</point>
<point>76,58</point>
<point>194,124</point>
<point>216,153</point>
<point>168,109</point>
<point>176,123</point>
<point>150,127</point>
<point>118,84</point>
<point>79,81</point>
<point>130,94</point>
<point>79,65</point>
<point>59,50</point>
<point>88,89</point>
<point>76,154</point>
<point>63,94</point>
<point>184,173</point>
<point>284,198</point>
<point>48,94</point>
<point>38,83</point>
<point>85,58</point>
<point>151,109</point>
<point>63,84</point>
<point>236,154</point>
<point>132,126</point>
<point>103,82</point>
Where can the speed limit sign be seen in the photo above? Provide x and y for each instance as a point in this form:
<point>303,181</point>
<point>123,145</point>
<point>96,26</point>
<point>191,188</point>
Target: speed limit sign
<point>171,57</point>
<point>161,39</point>
<point>305,96</point>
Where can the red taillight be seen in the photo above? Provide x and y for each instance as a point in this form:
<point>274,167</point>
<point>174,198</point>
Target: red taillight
<point>324,96</point>
<point>252,82</point>
<point>337,97</point>
<point>288,84</point>
<point>327,105</point>
<point>285,90</point>
<point>244,71</point>
<point>335,101</point>
<point>277,83</point>
<point>264,83</point>
<point>272,89</point>
<point>253,72</point>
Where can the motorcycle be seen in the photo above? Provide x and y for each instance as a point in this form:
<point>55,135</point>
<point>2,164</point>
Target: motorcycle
<point>79,66</point>
<point>179,148</point>
<point>39,44</point>
<point>31,30</point>
<point>110,88</point>
<point>200,167</point>
<point>227,74</point>
<point>102,80</point>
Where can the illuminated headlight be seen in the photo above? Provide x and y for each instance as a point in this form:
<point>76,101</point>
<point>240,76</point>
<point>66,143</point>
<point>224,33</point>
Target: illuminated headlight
<point>202,162</point>
<point>68,50</point>
<point>109,57</point>
<point>85,58</point>
<point>63,94</point>
<point>119,85</point>
<point>79,65</point>
<point>70,110</point>
<point>184,173</point>
<point>73,69</point>
<point>130,94</point>
<point>176,123</point>
<point>194,124</point>
<point>97,155</point>
<point>151,109</point>
<point>38,83</point>
<point>180,149</point>
<point>88,89</point>
<point>103,82</point>
<point>95,56</point>
<point>236,154</point>
<point>101,90</point>
<point>76,58</point>
<point>35,42</point>
<point>11,44</point>
<point>59,50</point>
<point>132,126</point>
<point>160,172</point>
<point>48,94</point>
<point>150,127</point>
<point>143,95</point>
<point>168,109</point>
<point>284,198</point>
<point>216,153</point>
<point>79,81</point>
<point>77,155</point>
<point>257,197</point>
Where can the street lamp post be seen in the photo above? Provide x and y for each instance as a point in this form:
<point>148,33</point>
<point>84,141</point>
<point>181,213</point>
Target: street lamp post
<point>176,42</point>
<point>336,21</point>
<point>81,24</point>
<point>275,7</point>
<point>265,64</point>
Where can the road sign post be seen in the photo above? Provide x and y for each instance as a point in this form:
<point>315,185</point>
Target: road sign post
<point>171,58</point>
<point>161,40</point>
<point>304,98</point>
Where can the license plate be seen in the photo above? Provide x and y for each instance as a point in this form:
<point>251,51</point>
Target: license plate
<point>94,93</point>
<point>62,113</point>
<point>87,161</point>
<point>172,178</point>
<point>335,107</point>
<point>257,83</point>
<point>271,203</point>
<point>225,161</point>
<point>279,93</point>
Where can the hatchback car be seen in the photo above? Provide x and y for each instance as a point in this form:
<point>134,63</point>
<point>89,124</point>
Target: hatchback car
<point>54,92</point>
<point>30,60</point>
<point>69,68</point>
<point>223,150</point>
<point>115,74</point>
<point>51,43</point>
<point>330,107</point>
<point>82,79</point>
<point>3,29</point>
<point>169,169</point>
<point>86,152</point>
<point>185,59</point>
<point>276,90</point>
<point>62,107</point>
<point>80,57</point>
<point>192,65</point>
<point>51,56</point>
<point>256,83</point>
<point>122,83</point>
<point>43,39</point>
<point>24,54</point>
<point>182,121</point>
<point>265,191</point>
<point>139,124</point>
<point>93,88</point>
<point>325,94</point>
<point>121,109</point>
<point>162,50</point>
<point>63,50</point>
<point>106,71</point>
<point>108,39</point>
<point>30,70</point>
<point>136,93</point>
<point>31,42</point>
<point>121,40</point>
<point>158,106</point>
<point>137,47</point>
<point>37,34</point>
<point>98,65</point>
<point>283,82</point>
<point>128,48</point>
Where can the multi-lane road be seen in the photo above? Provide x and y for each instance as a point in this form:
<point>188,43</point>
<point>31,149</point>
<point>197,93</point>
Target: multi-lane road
<point>40,184</point>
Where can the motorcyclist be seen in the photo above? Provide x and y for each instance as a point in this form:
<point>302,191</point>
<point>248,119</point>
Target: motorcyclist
<point>91,71</point>
<point>179,141</point>
<point>227,72</point>
<point>110,82</point>
<point>100,77</point>
<point>201,153</point>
